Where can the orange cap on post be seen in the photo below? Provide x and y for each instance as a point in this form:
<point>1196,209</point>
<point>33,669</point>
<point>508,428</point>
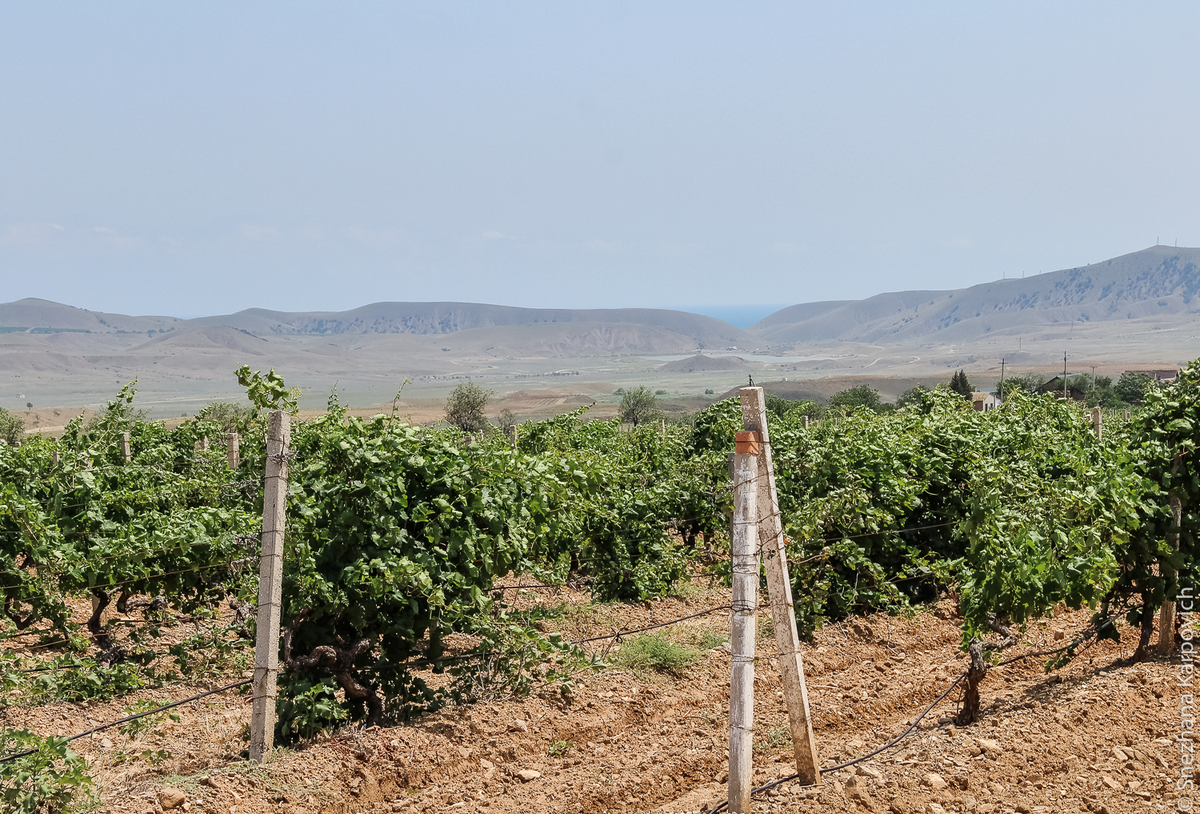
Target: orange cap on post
<point>749,442</point>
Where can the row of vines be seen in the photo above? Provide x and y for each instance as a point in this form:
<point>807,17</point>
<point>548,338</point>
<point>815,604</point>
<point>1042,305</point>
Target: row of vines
<point>397,534</point>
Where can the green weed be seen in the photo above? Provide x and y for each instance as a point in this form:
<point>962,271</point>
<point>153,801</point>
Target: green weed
<point>560,748</point>
<point>654,651</point>
<point>773,738</point>
<point>707,639</point>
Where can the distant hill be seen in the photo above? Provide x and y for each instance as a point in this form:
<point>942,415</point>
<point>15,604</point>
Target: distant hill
<point>492,329</point>
<point>206,337</point>
<point>428,318</point>
<point>700,363</point>
<point>417,318</point>
<point>1140,310</point>
<point>41,316</point>
<point>1158,281</point>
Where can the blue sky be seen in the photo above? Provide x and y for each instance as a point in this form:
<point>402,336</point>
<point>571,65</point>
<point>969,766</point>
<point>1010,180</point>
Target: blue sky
<point>196,158</point>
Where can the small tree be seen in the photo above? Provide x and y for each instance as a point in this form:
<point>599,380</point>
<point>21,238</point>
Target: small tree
<point>779,406</point>
<point>12,428</point>
<point>961,385</point>
<point>862,396</point>
<point>232,417</point>
<point>1026,384</point>
<point>506,421</point>
<point>912,395</point>
<point>638,406</point>
<point>1132,387</point>
<point>464,407</point>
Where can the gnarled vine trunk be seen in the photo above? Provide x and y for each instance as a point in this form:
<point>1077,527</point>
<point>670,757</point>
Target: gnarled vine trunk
<point>1166,614</point>
<point>339,663</point>
<point>975,675</point>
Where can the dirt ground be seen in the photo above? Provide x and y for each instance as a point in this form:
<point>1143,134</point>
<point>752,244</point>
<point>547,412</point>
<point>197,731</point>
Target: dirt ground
<point>1096,736</point>
<point>50,420</point>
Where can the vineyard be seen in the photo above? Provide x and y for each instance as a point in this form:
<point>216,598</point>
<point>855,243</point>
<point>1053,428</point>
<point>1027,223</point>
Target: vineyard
<point>435,584</point>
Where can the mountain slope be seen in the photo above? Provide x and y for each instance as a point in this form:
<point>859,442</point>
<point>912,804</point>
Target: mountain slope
<point>1159,281</point>
<point>44,315</point>
<point>426,318</point>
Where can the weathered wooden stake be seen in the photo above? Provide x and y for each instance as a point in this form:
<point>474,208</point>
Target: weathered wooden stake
<point>732,463</point>
<point>56,457</point>
<point>806,422</point>
<point>1098,423</point>
<point>779,590</point>
<point>125,452</point>
<point>745,602</point>
<point>266,646</point>
<point>232,442</point>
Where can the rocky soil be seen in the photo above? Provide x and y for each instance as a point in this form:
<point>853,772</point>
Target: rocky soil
<point>1096,736</point>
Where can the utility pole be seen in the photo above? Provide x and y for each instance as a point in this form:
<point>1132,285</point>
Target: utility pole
<point>1002,379</point>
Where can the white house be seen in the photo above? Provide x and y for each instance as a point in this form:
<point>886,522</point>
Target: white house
<point>985,402</point>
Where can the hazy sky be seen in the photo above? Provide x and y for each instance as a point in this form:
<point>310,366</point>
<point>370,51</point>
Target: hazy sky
<point>192,158</point>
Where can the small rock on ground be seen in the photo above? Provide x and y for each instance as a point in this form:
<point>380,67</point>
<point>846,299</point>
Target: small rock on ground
<point>171,798</point>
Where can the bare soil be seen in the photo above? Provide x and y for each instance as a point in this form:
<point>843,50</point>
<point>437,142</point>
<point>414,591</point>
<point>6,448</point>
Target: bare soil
<point>1095,736</point>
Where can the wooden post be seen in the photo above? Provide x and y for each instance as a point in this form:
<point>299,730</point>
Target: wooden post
<point>732,462</point>
<point>745,602</point>
<point>779,590</point>
<point>663,426</point>
<point>1098,423</point>
<point>125,452</point>
<point>232,442</point>
<point>56,457</point>
<point>806,422</point>
<point>266,646</point>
